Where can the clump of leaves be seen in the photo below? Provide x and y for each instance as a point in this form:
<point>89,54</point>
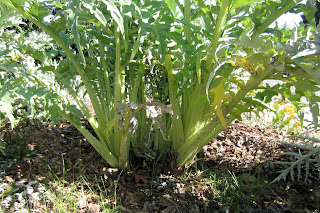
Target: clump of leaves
<point>308,156</point>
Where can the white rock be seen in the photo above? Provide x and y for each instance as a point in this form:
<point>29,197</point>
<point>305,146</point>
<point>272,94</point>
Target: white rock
<point>6,202</point>
<point>20,197</point>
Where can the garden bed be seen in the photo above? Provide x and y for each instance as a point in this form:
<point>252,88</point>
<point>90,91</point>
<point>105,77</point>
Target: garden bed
<point>50,168</point>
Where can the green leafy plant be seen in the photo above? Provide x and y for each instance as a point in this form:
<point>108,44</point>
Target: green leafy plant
<point>208,60</point>
<point>307,157</point>
<point>25,93</point>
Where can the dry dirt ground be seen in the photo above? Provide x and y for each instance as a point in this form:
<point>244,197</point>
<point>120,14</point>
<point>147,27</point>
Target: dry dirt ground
<point>47,168</point>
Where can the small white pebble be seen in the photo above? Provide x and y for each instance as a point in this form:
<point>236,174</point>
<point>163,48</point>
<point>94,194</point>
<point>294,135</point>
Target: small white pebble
<point>6,202</point>
<point>36,196</point>
<point>20,197</point>
<point>19,207</point>
<point>29,190</point>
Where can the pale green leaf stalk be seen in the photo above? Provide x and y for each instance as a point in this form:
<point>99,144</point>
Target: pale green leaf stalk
<point>137,96</point>
<point>217,32</point>
<point>124,145</point>
<point>187,33</point>
<point>194,142</point>
<point>187,10</point>
<point>93,122</point>
<point>76,35</point>
<point>120,138</point>
<point>187,29</point>
<point>101,148</point>
<point>198,68</point>
<point>178,133</point>
<point>137,83</point>
<point>251,84</point>
<point>107,81</point>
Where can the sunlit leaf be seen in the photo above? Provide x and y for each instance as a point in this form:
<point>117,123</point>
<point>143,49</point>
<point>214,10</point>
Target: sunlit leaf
<point>6,104</point>
<point>172,5</point>
<point>115,13</point>
<point>312,71</point>
<point>242,3</point>
<point>219,97</point>
<point>38,11</point>
<point>205,9</point>
<point>97,13</point>
<point>54,111</point>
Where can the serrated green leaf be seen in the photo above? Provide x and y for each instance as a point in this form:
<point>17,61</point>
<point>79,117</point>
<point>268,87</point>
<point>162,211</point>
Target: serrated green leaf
<point>38,11</point>
<point>267,96</point>
<point>160,30</point>
<point>257,103</point>
<point>172,5</point>
<point>140,39</point>
<point>77,38</point>
<point>97,13</point>
<point>202,5</point>
<point>104,39</point>
<point>314,109</point>
<point>18,3</point>
<point>58,25</point>
<point>74,114</point>
<point>115,13</point>
<point>54,111</point>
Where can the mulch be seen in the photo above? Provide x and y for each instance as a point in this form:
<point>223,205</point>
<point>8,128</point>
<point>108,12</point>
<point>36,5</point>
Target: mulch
<point>232,174</point>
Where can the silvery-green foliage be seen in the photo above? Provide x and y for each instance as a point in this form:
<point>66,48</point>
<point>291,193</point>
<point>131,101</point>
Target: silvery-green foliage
<point>307,158</point>
<point>25,92</point>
